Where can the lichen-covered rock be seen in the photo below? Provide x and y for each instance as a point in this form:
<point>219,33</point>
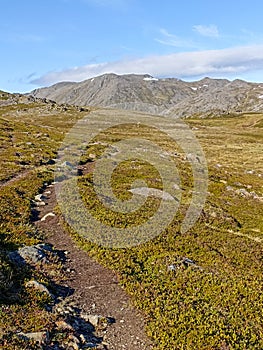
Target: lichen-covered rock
<point>38,337</point>
<point>31,254</point>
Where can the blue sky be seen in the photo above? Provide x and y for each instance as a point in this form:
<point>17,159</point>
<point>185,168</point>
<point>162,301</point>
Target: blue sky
<point>46,41</point>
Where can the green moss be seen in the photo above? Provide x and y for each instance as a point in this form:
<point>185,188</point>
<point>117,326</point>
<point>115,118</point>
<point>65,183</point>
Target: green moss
<point>29,139</point>
<point>214,303</point>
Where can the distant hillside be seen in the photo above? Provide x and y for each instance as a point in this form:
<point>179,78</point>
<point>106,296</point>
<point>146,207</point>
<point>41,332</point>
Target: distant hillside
<point>162,96</point>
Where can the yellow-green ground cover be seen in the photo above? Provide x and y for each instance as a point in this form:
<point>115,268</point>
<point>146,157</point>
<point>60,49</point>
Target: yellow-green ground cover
<point>215,303</point>
<point>30,135</point>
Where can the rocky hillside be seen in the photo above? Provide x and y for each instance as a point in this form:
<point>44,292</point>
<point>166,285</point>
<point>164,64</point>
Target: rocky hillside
<point>162,96</point>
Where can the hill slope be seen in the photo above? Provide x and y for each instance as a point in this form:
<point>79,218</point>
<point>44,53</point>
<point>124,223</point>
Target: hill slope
<point>197,290</point>
<point>162,96</point>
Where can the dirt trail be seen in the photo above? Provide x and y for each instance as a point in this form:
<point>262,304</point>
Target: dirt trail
<point>17,177</point>
<point>96,289</point>
<point>22,174</point>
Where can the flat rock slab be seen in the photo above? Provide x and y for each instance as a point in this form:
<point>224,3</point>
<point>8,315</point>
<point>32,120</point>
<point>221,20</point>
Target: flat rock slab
<point>149,191</point>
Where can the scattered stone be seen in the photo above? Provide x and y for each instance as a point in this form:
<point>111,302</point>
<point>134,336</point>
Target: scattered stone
<point>105,343</point>
<point>74,339</point>
<point>97,321</point>
<point>62,325</point>
<point>47,215</point>
<point>39,204</point>
<point>187,261</point>
<point>183,263</point>
<point>93,319</point>
<point>172,267</point>
<point>92,156</point>
<point>73,346</point>
<point>40,287</point>
<point>51,161</point>
<point>239,184</point>
<point>39,337</point>
<point>244,193</point>
<point>39,200</point>
<point>67,164</point>
<point>66,307</point>
<point>82,338</point>
<point>39,197</point>
<point>148,191</point>
<point>223,181</point>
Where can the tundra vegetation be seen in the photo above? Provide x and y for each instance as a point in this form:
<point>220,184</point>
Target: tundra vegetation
<point>197,290</point>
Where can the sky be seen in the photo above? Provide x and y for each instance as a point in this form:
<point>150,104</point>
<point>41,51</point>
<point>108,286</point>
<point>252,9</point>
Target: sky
<point>43,42</point>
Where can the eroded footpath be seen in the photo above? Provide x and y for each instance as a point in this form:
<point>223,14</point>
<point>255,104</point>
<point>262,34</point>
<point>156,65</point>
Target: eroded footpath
<point>95,289</point>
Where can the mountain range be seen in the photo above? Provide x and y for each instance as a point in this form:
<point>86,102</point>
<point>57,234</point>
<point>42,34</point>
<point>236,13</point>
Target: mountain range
<point>167,96</point>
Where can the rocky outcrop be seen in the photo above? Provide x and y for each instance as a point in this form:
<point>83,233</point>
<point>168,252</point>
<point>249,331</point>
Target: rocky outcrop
<point>31,254</point>
<point>73,328</point>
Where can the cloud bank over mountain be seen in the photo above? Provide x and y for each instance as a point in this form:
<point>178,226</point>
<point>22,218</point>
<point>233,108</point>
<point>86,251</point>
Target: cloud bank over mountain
<point>182,65</point>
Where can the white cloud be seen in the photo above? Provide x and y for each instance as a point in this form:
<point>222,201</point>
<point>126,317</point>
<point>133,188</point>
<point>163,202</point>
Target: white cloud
<point>173,40</point>
<point>210,31</point>
<point>231,61</point>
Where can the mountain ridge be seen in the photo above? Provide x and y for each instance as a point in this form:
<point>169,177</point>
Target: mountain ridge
<point>161,96</point>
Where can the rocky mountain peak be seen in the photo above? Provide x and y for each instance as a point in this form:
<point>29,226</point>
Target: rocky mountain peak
<point>143,92</point>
